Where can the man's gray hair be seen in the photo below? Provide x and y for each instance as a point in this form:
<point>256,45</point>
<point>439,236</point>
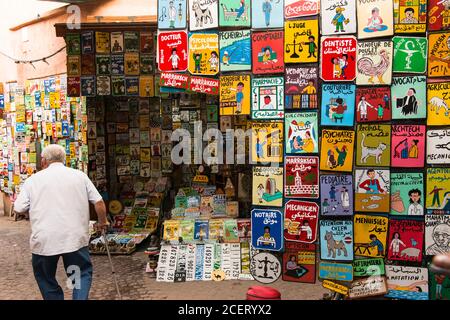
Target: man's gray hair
<point>54,153</point>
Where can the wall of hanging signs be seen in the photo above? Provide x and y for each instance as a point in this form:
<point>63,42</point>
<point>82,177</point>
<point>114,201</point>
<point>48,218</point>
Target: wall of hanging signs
<point>359,95</point>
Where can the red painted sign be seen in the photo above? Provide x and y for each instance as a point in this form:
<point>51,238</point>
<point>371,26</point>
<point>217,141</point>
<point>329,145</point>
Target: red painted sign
<point>174,80</point>
<point>300,8</point>
<point>338,58</point>
<point>173,51</point>
<point>204,85</point>
<point>268,52</point>
<point>300,221</point>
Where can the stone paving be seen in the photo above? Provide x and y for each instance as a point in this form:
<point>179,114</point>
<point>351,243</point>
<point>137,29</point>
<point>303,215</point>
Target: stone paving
<point>17,280</point>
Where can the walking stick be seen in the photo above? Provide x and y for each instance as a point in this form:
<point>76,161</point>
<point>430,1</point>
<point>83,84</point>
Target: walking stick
<point>111,264</point>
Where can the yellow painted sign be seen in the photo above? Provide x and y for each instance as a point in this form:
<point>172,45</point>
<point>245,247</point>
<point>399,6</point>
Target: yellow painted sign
<point>370,233</point>
<point>438,54</point>
<point>337,150</point>
<point>336,287</point>
<point>171,230</point>
<point>301,41</point>
<point>234,95</point>
<point>267,142</point>
<point>438,97</point>
<point>267,186</point>
<point>204,54</point>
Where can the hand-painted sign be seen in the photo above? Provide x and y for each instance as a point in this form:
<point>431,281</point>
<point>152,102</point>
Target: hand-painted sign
<point>203,14</point>
<point>438,146</point>
<point>301,132</point>
<point>410,17</point>
<point>368,287</point>
<point>301,41</point>
<point>375,18</point>
<point>173,51</point>
<point>300,221</point>
<point>235,94</point>
<point>300,8</point>
<point>174,80</point>
<point>409,283</point>
<point>338,104</point>
<point>438,96</point>
<point>438,54</point>
<point>410,54</point>
<point>336,194</point>
<point>267,14</point>
<point>265,267</point>
<point>172,14</point>
<point>373,141</point>
<point>438,188</point>
<point>368,267</point>
<point>373,104</point>
<point>235,50</point>
<point>204,53</point>
<point>267,229</point>
<point>374,62</point>
<point>336,153</point>
<point>267,52</point>
<point>438,14</point>
<point>300,87</point>
<point>336,240</point>
<point>336,287</point>
<point>409,97</point>
<point>372,190</point>
<point>234,13</point>
<point>408,146</point>
<point>370,235</point>
<point>267,183</point>
<point>338,58</point>
<point>299,262</point>
<point>301,177</point>
<point>405,241</point>
<point>204,85</point>
<point>338,17</point>
<point>437,234</point>
<point>407,196</point>
<point>268,98</point>
<point>336,271</point>
<point>267,142</point>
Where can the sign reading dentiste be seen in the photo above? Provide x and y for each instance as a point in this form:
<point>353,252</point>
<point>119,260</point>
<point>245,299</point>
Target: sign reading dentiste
<point>338,58</point>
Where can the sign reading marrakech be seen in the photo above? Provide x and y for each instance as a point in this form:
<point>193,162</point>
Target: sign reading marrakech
<point>174,80</point>
<point>204,85</point>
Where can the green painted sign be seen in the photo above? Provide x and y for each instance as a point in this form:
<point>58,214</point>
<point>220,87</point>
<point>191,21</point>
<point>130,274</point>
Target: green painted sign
<point>410,54</point>
<point>368,267</point>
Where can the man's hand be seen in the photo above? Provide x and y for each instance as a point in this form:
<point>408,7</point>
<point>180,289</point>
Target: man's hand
<point>102,226</point>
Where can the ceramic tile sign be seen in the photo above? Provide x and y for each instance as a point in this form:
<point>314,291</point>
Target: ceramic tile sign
<point>301,41</point>
<point>405,241</point>
<point>338,58</point>
<point>204,53</point>
<point>374,63</point>
<point>234,94</point>
<point>409,97</point>
<point>234,13</point>
<point>438,15</point>
<point>267,52</point>
<point>375,18</point>
<point>410,16</point>
<point>370,235</point>
<point>373,145</point>
<point>338,17</point>
<point>373,104</point>
<point>300,87</point>
<point>203,14</point>
<point>267,186</point>
<point>336,194</point>
<point>368,287</point>
<point>368,267</point>
<point>172,14</point>
<point>407,193</point>
<point>173,51</point>
<point>438,188</point>
<point>336,271</point>
<point>300,8</point>
<point>267,14</point>
<point>336,152</point>
<point>300,221</point>
<point>439,286</point>
<point>410,54</point>
<point>439,54</point>
<point>338,104</point>
<point>267,229</point>
<point>438,146</point>
<point>268,98</point>
<point>299,262</point>
<point>407,283</point>
<point>301,132</point>
<point>437,234</point>
<point>301,177</point>
<point>235,50</point>
<point>336,240</point>
<point>372,190</point>
<point>408,146</point>
<point>267,142</point>
<point>438,96</point>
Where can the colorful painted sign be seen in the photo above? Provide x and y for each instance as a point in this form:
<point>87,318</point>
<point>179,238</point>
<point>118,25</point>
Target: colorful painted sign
<point>301,177</point>
<point>408,146</point>
<point>265,267</point>
<point>204,85</point>
<point>338,104</point>
<point>267,142</point>
<point>268,98</point>
<point>407,193</point>
<point>373,189</point>
<point>437,234</point>
<point>438,146</point>
<point>300,87</point>
<point>336,194</point>
<point>409,97</point>
<point>300,8</point>
<point>301,132</point>
<point>407,283</point>
<point>299,262</point>
<point>370,235</point>
<point>204,53</point>
<point>234,13</point>
<point>374,62</point>
<point>300,221</point>
<point>410,16</point>
<point>203,14</point>
<point>405,241</point>
<point>336,240</point>
<point>301,41</point>
<point>336,152</point>
<point>438,188</point>
<point>373,104</point>
<point>439,54</point>
<point>173,51</point>
<point>368,267</point>
<point>336,271</point>
<point>438,96</point>
<point>335,287</point>
<point>267,52</point>
<point>438,15</point>
<point>235,50</point>
<point>338,58</point>
<point>174,80</point>
<point>439,285</point>
<point>368,287</point>
<point>338,17</point>
<point>172,14</point>
<point>267,229</point>
<point>235,94</point>
<point>375,18</point>
<point>373,145</point>
<point>267,183</point>
<point>410,54</point>
<point>266,14</point>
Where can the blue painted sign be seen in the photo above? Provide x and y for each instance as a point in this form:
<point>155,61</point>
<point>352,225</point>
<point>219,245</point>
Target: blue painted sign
<point>336,271</point>
<point>267,229</point>
<point>267,14</point>
<point>172,14</point>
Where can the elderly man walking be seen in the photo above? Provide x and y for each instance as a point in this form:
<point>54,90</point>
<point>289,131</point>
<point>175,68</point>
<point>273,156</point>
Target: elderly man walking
<point>57,199</point>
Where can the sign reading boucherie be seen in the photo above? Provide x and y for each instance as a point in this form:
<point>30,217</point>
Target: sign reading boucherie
<point>174,80</point>
<point>204,85</point>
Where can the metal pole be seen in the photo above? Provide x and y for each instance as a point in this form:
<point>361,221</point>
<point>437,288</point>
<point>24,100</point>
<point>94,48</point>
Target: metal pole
<point>111,264</point>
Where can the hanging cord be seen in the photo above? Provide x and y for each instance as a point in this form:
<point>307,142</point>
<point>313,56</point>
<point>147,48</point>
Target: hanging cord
<point>44,59</point>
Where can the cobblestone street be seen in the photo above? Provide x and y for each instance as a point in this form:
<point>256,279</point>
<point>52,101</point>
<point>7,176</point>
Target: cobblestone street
<point>17,280</point>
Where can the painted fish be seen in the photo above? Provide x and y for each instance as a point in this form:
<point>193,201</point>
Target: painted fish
<point>373,206</point>
<point>375,198</point>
